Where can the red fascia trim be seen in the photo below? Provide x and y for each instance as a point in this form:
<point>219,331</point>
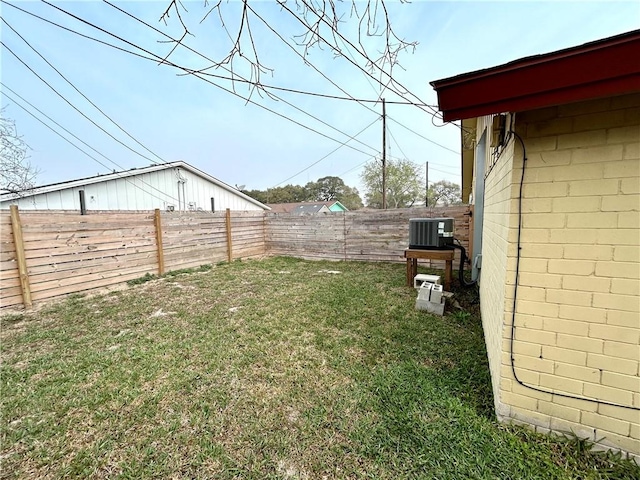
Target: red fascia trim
<point>580,73</point>
<point>617,86</point>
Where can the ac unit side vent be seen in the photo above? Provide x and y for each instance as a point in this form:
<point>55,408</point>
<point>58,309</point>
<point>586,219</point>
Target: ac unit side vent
<point>430,233</point>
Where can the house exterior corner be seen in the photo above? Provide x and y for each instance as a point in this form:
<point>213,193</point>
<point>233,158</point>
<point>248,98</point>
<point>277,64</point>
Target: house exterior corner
<point>557,252</point>
<point>571,361</point>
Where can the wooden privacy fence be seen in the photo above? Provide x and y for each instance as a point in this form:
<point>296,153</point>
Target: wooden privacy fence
<point>380,235</point>
<point>47,254</point>
<point>64,252</point>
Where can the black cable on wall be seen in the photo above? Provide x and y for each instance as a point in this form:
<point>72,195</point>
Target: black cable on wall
<point>515,299</point>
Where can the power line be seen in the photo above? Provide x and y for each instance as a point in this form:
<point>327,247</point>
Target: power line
<point>423,137</point>
<point>405,156</point>
<point>189,71</point>
<point>327,78</point>
<point>70,30</point>
<point>321,18</point>
<point>197,75</point>
<point>397,144</point>
<point>366,78</point>
<point>76,137</point>
<point>357,166</point>
<point>72,105</point>
<point>338,34</point>
<point>442,171</point>
<point>83,151</point>
<point>307,62</point>
<point>202,72</point>
<point>243,79</point>
<point>261,85</point>
<point>327,155</point>
<point>434,112</point>
<point>194,72</point>
<point>283,40</point>
<point>83,95</point>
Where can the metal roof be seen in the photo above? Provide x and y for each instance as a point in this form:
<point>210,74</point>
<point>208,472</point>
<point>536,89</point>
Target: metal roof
<point>53,187</point>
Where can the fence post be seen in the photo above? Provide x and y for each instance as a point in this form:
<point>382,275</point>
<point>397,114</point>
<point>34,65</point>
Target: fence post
<point>158,224</point>
<point>18,242</point>
<point>229,243</point>
<point>264,232</point>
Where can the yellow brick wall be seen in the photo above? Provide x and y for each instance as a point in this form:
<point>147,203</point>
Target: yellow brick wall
<point>578,311</point>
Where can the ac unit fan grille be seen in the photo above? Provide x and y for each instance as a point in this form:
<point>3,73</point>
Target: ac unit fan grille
<point>430,233</point>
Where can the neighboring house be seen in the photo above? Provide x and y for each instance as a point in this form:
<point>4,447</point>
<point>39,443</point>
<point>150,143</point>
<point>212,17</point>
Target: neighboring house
<point>559,238</point>
<point>336,206</point>
<point>175,186</point>
<point>308,207</point>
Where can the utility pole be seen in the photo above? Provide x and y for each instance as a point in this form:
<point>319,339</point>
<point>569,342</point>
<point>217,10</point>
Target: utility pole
<point>426,185</point>
<point>384,156</point>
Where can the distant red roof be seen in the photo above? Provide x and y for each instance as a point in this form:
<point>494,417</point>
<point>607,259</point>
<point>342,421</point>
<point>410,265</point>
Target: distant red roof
<point>606,67</point>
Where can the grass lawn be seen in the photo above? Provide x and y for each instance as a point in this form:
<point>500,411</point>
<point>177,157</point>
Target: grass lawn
<point>263,369</point>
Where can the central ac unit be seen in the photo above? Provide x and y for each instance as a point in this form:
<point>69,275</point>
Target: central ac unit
<point>430,233</point>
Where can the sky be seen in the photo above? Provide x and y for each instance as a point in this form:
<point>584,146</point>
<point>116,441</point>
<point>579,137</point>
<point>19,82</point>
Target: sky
<point>250,139</point>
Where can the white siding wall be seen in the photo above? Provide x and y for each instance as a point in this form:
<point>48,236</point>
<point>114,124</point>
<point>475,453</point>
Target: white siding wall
<point>146,191</point>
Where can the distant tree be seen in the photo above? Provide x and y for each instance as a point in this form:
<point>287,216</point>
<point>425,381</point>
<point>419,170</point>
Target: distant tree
<point>258,195</point>
<point>404,183</point>
<point>323,190</point>
<point>351,200</point>
<point>444,193</point>
<point>287,194</point>
<point>333,188</point>
<point>16,173</point>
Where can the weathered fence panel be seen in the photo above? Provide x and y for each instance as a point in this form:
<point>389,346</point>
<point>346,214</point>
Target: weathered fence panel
<point>248,234</point>
<point>191,240</point>
<point>380,235</point>
<point>67,252</point>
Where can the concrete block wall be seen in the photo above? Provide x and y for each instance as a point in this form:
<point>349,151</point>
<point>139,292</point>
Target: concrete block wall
<point>578,311</point>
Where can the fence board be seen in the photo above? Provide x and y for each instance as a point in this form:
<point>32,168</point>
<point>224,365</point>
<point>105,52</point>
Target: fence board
<point>64,281</point>
<point>85,287</point>
<point>10,301</point>
<point>11,288</point>
<point>114,261</point>
<point>90,255</point>
<point>8,275</point>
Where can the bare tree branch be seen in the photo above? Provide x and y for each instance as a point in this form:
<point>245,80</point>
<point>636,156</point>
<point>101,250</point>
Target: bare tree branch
<point>175,4</point>
<point>323,23</point>
<point>16,173</point>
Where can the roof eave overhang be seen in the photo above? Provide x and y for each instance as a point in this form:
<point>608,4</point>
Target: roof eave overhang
<point>593,70</point>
